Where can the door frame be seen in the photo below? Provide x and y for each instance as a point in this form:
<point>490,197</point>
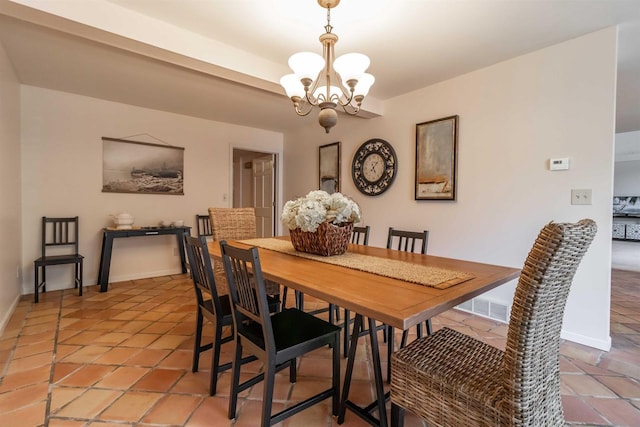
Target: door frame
<point>277,184</point>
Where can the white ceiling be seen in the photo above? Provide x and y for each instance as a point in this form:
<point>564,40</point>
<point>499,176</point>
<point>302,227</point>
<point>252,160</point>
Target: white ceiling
<point>222,60</point>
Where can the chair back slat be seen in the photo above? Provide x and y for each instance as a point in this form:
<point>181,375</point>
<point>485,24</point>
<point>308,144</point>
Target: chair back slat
<point>201,271</point>
<point>59,232</point>
<point>360,235</point>
<point>203,225</point>
<point>531,360</point>
<point>406,240</point>
<point>248,293</point>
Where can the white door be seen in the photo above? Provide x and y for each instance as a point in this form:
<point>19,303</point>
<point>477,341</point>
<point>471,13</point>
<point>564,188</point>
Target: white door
<point>263,194</point>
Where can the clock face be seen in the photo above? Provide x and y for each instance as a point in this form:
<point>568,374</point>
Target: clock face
<point>374,167</point>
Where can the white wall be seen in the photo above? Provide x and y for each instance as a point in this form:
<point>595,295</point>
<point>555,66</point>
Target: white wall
<point>62,176</point>
<point>626,180</point>
<point>514,116</point>
<point>10,250</point>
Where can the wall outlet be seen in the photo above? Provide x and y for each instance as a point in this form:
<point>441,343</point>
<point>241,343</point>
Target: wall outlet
<point>17,271</point>
<point>581,197</point>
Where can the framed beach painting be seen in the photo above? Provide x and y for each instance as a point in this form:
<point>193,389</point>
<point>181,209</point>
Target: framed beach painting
<point>436,150</point>
<point>329,167</point>
<point>141,167</point>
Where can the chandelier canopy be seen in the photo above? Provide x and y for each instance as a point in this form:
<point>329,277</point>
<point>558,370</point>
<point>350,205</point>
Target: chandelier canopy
<point>326,81</point>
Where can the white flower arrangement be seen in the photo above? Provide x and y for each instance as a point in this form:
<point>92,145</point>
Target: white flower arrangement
<point>308,212</point>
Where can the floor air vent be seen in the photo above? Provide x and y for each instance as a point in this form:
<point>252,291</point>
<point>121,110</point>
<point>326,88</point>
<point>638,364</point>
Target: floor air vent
<point>486,308</point>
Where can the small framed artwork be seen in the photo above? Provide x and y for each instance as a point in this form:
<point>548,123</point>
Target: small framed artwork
<point>436,148</point>
<point>141,167</point>
<point>329,167</point>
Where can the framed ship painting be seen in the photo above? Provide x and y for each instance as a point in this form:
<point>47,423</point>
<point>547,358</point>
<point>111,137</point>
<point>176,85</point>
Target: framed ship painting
<point>141,167</point>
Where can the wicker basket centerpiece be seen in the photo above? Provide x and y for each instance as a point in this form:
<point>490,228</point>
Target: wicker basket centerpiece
<point>321,223</point>
<point>329,239</point>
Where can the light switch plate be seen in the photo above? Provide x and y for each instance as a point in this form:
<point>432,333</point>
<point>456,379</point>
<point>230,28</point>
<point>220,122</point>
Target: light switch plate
<point>581,197</point>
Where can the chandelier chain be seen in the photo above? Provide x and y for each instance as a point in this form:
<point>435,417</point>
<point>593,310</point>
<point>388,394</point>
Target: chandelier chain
<point>328,27</point>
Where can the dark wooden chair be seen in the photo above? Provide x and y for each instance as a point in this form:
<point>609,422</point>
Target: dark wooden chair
<point>58,235</point>
<point>276,340</point>
<point>203,225</point>
<point>360,235</point>
<point>450,378</point>
<point>409,241</point>
<point>214,307</point>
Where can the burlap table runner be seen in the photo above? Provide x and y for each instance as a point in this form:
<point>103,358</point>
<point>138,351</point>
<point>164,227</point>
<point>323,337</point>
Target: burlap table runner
<point>434,277</point>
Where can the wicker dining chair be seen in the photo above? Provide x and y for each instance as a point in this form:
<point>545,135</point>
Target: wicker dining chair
<point>234,224</point>
<point>449,378</point>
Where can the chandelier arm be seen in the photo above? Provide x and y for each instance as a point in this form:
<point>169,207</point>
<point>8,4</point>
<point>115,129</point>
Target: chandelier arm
<point>352,111</point>
<point>312,89</point>
<point>300,111</point>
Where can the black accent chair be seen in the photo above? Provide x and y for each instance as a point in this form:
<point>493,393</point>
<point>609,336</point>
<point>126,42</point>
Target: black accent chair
<point>215,307</point>
<point>359,236</point>
<point>203,225</point>
<point>408,241</point>
<point>276,340</point>
<point>58,233</point>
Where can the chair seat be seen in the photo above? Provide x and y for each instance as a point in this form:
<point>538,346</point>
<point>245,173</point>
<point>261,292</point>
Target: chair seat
<point>292,327</point>
<point>450,367</point>
<point>225,308</point>
<point>59,259</point>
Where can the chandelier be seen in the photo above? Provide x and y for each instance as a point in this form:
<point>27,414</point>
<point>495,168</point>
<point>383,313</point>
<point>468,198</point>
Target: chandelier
<point>326,81</point>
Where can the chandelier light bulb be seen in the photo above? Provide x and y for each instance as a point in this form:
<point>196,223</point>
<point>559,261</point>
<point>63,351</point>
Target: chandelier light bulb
<point>306,65</point>
<point>351,66</point>
<point>364,84</point>
<point>293,87</point>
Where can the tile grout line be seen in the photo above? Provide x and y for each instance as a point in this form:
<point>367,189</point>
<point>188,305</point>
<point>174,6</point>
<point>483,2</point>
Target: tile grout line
<point>47,412</point>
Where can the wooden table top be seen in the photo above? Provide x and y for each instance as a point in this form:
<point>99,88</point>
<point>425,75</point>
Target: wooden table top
<point>395,302</point>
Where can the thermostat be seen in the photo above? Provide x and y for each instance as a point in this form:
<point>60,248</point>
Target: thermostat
<point>559,164</point>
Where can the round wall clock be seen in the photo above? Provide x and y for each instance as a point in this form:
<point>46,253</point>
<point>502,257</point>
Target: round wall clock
<point>374,167</point>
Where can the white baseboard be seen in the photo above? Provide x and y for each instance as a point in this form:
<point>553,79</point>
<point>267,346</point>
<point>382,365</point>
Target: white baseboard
<point>94,280</point>
<point>588,341</point>
<point>145,275</point>
<point>8,314</point>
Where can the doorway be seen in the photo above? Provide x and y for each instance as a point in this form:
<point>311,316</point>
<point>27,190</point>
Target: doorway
<point>254,184</point>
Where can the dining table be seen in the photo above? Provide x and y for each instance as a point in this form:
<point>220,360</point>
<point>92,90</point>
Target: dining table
<point>396,301</point>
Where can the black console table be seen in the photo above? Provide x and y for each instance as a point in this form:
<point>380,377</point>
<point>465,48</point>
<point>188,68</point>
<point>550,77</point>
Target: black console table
<point>108,234</point>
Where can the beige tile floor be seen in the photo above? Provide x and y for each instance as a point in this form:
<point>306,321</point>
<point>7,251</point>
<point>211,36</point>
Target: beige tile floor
<point>123,358</point>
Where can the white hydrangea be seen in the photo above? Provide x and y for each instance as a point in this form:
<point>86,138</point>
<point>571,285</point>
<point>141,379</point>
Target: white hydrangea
<point>318,206</point>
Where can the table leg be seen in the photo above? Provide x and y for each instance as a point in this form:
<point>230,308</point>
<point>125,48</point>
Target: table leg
<point>180,235</point>
<point>105,262</point>
<point>379,403</point>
